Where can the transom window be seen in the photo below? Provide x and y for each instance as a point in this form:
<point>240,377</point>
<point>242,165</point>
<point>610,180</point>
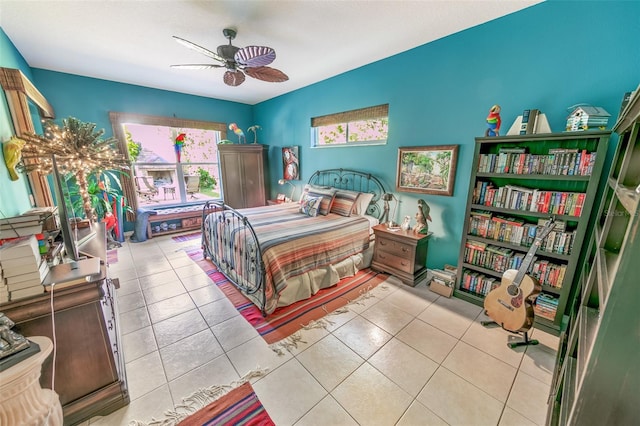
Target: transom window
<point>365,126</point>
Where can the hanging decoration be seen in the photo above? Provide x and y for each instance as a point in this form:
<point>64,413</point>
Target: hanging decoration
<point>13,155</point>
<point>79,150</point>
<point>179,142</point>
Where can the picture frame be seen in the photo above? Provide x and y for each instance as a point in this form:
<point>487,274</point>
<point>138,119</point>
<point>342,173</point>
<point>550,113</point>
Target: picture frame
<point>290,163</point>
<point>427,169</point>
<point>280,197</point>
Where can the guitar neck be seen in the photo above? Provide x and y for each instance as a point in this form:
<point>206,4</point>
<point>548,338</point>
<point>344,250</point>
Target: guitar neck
<point>526,262</point>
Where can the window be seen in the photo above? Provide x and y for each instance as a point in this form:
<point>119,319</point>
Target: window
<point>163,174</point>
<point>366,126</point>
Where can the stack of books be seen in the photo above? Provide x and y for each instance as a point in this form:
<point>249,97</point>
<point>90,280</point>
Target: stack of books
<point>20,226</point>
<point>23,269</point>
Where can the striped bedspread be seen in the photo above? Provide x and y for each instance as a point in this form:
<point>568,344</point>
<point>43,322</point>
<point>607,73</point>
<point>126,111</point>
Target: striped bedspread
<point>291,243</point>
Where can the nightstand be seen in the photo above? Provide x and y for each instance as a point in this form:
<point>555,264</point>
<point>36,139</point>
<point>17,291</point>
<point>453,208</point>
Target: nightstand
<point>274,202</point>
<point>401,253</point>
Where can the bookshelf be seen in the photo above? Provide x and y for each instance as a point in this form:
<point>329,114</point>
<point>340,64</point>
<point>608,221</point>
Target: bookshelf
<point>596,377</point>
<point>518,182</point>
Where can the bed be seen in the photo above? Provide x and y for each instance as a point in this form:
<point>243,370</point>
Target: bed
<point>279,254</point>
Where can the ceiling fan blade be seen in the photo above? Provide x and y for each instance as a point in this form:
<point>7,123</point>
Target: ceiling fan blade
<point>233,78</point>
<point>267,74</point>
<point>196,66</point>
<point>255,56</point>
<point>200,49</point>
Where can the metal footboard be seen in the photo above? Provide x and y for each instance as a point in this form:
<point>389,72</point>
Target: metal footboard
<point>229,240</point>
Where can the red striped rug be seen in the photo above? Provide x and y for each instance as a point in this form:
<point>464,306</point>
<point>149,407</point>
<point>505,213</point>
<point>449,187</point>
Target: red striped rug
<point>285,321</point>
<point>187,237</point>
<point>241,406</point>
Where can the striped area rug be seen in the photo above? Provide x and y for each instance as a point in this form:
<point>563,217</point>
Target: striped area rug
<point>287,320</point>
<point>187,237</point>
<point>241,406</point>
<point>112,256</point>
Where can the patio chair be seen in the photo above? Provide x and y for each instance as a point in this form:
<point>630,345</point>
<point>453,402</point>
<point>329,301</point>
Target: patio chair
<point>146,188</point>
<point>193,185</point>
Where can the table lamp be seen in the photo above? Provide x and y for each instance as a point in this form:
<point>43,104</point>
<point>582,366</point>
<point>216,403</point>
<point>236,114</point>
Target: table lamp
<point>386,197</point>
<point>293,188</point>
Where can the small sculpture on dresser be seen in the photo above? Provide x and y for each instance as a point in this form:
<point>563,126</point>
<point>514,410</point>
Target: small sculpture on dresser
<point>422,227</point>
<point>406,224</point>
<point>10,341</point>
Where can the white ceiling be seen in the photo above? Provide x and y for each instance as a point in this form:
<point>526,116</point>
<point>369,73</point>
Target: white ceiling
<point>130,41</point>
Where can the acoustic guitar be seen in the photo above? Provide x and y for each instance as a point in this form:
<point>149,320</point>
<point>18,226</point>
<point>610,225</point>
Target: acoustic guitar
<point>511,304</point>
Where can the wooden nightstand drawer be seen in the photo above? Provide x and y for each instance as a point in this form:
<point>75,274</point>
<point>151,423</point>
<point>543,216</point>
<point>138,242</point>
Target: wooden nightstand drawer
<point>397,262</point>
<point>396,247</point>
<point>400,253</point>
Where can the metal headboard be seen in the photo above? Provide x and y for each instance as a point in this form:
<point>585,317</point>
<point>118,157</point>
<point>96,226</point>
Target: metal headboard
<point>352,180</point>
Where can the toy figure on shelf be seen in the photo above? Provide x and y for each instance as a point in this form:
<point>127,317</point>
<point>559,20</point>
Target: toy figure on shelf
<point>422,227</point>
<point>238,131</point>
<point>493,121</point>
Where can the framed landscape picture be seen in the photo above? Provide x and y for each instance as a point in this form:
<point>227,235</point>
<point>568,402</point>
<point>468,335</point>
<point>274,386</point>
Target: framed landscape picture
<point>427,169</point>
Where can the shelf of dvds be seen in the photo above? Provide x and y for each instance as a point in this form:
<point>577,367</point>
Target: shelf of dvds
<point>595,379</point>
<point>517,183</point>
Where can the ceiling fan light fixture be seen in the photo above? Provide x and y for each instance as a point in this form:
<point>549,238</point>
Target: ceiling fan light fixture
<point>251,59</point>
<point>233,78</point>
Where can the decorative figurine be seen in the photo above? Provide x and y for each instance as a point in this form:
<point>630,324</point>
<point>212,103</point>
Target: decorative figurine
<point>178,144</point>
<point>238,131</point>
<point>254,129</point>
<point>422,227</point>
<point>406,224</point>
<point>10,341</point>
<point>13,155</point>
<point>493,121</point>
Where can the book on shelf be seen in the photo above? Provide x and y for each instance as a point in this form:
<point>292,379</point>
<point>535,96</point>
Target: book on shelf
<point>24,280</point>
<point>16,248</point>
<point>529,118</point>
<point>25,292</point>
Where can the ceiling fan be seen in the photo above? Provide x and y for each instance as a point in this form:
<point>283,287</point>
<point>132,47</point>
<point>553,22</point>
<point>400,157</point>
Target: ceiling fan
<point>251,59</point>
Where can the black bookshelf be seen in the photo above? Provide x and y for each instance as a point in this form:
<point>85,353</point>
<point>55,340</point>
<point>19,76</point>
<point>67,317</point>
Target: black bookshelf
<point>568,166</point>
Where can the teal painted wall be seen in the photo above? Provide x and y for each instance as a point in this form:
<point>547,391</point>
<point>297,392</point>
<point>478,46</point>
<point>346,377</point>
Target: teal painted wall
<point>14,195</point>
<point>91,100</point>
<point>550,56</point>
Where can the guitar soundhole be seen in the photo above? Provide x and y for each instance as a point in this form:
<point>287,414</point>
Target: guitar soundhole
<point>513,290</point>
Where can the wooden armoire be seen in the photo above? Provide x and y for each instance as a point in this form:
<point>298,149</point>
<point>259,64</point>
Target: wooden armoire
<point>244,174</point>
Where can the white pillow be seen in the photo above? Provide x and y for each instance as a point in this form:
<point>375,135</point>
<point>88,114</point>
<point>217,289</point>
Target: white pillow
<point>362,203</point>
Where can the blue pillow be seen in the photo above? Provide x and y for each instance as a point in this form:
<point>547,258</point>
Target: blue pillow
<point>310,206</point>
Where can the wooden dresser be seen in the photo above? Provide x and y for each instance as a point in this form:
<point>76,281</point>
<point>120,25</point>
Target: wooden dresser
<point>244,174</point>
<point>90,375</point>
<point>401,253</point>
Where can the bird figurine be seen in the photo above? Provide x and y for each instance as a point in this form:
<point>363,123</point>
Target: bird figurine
<point>422,227</point>
<point>406,224</point>
<point>12,155</point>
<point>238,131</point>
<point>493,121</point>
<point>178,144</point>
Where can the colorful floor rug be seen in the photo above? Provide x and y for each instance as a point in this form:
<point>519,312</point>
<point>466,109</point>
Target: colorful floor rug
<point>287,320</point>
<point>234,404</point>
<point>241,406</point>
<point>112,256</point>
<point>187,237</point>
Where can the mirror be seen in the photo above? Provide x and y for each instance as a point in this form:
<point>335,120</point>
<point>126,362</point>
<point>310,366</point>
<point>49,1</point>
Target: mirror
<point>21,94</point>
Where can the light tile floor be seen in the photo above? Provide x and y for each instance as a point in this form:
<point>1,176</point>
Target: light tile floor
<point>404,357</point>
